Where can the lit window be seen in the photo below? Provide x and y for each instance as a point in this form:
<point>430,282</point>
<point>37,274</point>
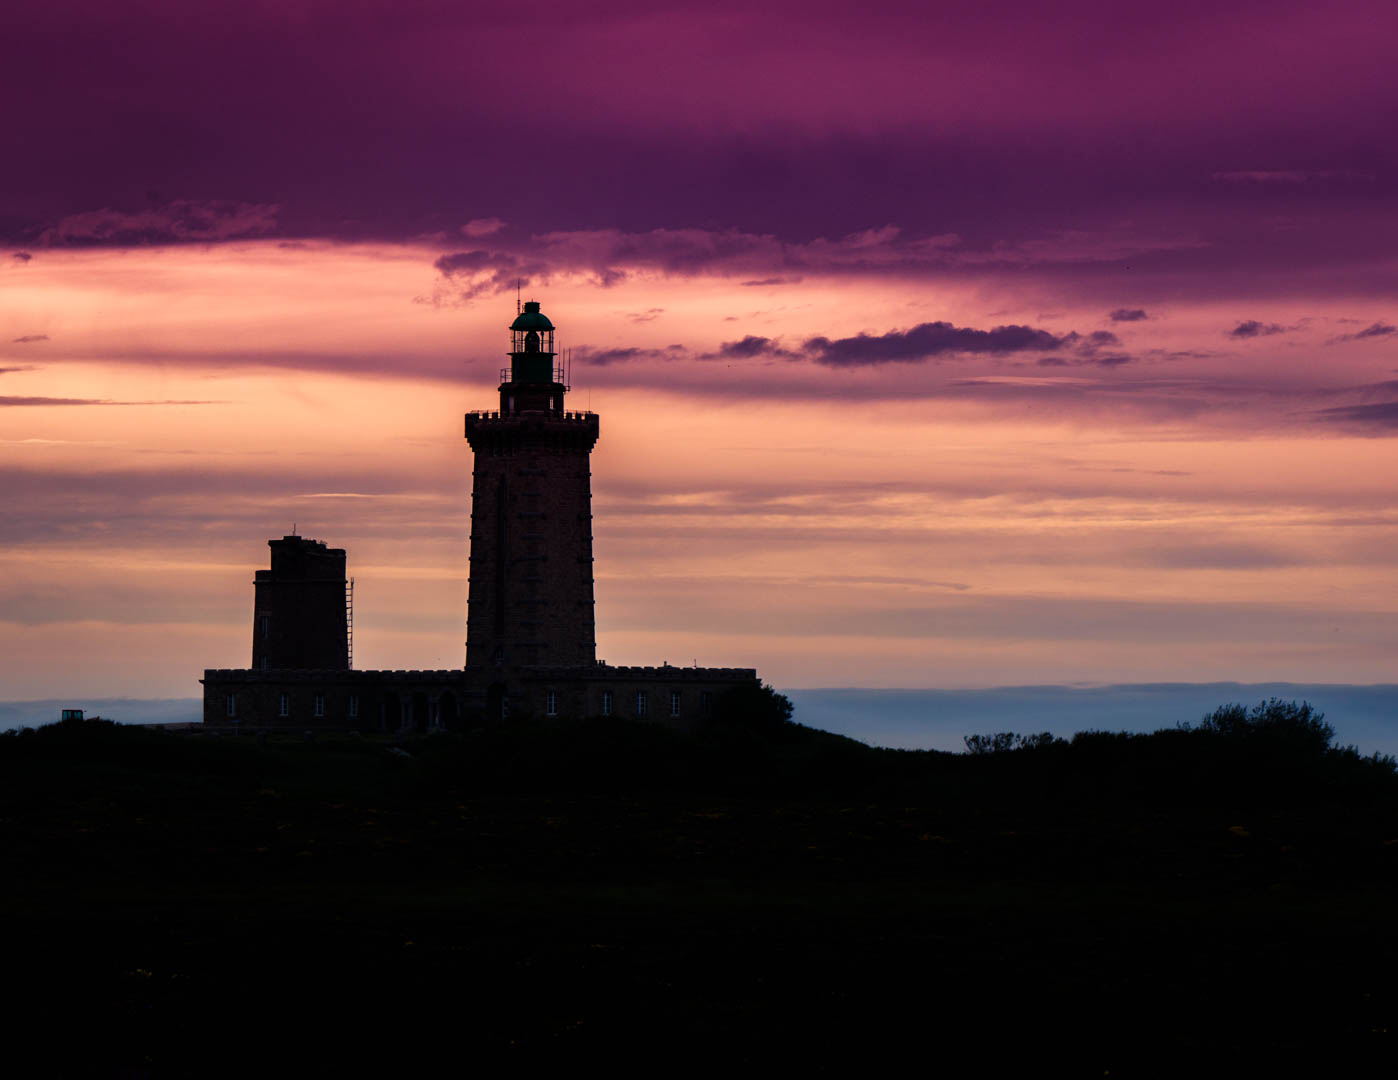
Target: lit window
<point>354,705</point>
<point>674,703</point>
<point>320,704</point>
<point>551,704</point>
<point>231,704</point>
<point>284,705</point>
<point>606,703</point>
<point>640,703</point>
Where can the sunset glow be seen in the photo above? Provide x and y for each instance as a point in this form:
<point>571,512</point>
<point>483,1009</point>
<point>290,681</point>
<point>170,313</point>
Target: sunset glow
<point>906,376</point>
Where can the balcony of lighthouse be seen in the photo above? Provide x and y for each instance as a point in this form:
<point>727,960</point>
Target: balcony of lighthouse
<point>552,414</point>
<point>503,431</point>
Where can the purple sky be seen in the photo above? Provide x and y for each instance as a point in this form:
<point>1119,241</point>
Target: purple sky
<point>926,339</point>
<point>1261,132</point>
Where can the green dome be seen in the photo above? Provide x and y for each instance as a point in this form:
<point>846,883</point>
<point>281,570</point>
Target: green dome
<point>531,318</point>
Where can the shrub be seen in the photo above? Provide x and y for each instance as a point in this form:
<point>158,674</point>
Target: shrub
<point>1003,742</point>
<point>1275,722</point>
<point>754,707</point>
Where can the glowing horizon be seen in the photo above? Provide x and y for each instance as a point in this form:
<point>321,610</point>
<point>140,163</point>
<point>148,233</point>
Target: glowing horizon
<point>899,384</point>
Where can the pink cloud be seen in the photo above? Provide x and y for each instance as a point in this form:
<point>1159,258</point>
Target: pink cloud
<point>478,227</point>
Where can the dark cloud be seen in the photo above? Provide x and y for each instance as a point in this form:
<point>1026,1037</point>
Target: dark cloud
<point>1122,314</point>
<point>470,262</point>
<point>1252,328</point>
<point>1090,348</point>
<point>1377,407</point>
<point>1216,555</point>
<point>752,346</point>
<point>8,370</point>
<point>481,273</point>
<point>928,340</point>
<point>931,340</point>
<point>15,402</point>
<point>22,256</point>
<point>1383,414</point>
<point>29,339</point>
<point>648,315</point>
<point>482,227</point>
<point>759,282</point>
<point>419,148</point>
<point>183,220</point>
<point>603,357</point>
<point>1290,177</point>
<point>1376,330</point>
<point>679,252</point>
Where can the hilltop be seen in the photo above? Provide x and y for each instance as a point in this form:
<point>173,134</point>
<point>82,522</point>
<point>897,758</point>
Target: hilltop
<point>755,891</point>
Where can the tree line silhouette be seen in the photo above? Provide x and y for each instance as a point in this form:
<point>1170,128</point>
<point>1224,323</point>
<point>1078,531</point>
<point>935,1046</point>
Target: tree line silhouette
<point>749,891</point>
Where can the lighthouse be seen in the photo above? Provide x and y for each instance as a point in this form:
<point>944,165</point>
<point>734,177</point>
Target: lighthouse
<point>531,648</point>
<point>530,593</point>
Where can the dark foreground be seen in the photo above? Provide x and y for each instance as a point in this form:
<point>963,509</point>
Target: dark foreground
<point>616,895</point>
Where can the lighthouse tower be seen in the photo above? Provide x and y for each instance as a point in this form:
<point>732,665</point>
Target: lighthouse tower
<point>530,602</point>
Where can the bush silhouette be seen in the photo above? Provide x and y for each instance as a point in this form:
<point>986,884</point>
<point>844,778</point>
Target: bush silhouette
<point>755,708</point>
<point>1274,721</point>
<point>1002,742</point>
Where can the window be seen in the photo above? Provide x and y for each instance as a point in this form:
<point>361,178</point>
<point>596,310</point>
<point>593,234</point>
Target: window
<point>320,704</point>
<point>706,700</point>
<point>674,703</point>
<point>263,625</point>
<point>264,663</point>
<point>551,704</point>
<point>284,705</point>
<point>504,707</point>
<point>606,703</point>
<point>354,706</point>
<point>640,703</point>
<point>231,705</point>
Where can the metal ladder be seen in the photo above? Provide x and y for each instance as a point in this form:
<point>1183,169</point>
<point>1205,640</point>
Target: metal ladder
<point>349,622</point>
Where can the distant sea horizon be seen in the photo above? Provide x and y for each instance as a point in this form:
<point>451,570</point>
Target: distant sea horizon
<point>1365,716</point>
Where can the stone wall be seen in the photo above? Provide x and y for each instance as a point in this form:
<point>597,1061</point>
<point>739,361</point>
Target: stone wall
<point>675,696</point>
<point>422,701</point>
<point>389,701</point>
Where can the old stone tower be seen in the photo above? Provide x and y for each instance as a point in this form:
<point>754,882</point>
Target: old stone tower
<point>530,594</point>
<point>299,615</point>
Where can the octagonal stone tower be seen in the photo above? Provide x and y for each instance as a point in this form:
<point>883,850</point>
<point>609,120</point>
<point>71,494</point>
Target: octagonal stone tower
<point>531,602</point>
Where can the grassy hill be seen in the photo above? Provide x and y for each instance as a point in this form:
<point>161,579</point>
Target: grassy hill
<point>757,893</point>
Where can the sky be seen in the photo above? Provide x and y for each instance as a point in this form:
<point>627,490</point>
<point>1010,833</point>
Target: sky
<point>938,346</point>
